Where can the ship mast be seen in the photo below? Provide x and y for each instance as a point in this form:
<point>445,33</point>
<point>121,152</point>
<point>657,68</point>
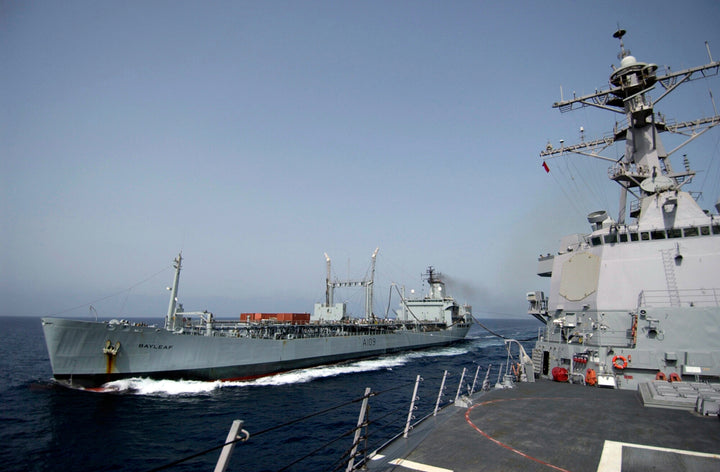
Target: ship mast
<point>369,287</point>
<point>328,285</point>
<point>645,165</point>
<point>170,317</point>
<point>437,286</point>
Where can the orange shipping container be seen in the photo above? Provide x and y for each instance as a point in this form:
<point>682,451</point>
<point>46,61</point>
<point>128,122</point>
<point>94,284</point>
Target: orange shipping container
<point>295,318</point>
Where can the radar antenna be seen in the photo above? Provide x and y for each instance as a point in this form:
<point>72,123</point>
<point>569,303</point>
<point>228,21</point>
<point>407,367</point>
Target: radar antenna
<point>619,35</point>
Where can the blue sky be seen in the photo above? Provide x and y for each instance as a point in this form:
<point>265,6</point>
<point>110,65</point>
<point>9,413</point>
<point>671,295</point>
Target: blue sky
<point>254,136</point>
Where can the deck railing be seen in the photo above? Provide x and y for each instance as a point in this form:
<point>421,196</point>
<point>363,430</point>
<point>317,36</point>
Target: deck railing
<point>702,297</point>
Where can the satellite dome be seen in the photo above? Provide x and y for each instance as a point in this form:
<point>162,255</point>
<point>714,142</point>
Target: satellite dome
<point>628,61</point>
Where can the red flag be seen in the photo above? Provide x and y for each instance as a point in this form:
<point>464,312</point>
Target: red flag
<point>545,166</point>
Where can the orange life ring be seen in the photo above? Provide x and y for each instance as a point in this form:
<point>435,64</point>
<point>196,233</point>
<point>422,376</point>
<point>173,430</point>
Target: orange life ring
<point>675,377</point>
<point>660,376</point>
<point>619,366</point>
<point>591,377</point>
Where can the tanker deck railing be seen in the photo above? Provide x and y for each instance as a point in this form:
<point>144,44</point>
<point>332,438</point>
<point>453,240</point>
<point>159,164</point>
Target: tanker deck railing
<point>289,330</point>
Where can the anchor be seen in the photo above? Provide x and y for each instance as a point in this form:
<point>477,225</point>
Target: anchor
<point>110,351</point>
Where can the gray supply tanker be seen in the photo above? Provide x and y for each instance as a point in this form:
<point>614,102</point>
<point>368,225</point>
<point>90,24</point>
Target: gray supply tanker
<point>197,346</point>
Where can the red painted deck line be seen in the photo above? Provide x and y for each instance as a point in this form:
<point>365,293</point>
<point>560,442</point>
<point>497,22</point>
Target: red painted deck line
<point>499,443</point>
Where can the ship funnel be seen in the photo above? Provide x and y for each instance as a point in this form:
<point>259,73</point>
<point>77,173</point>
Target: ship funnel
<point>599,219</point>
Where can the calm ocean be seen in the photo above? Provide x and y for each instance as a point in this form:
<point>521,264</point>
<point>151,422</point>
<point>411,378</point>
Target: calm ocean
<point>154,423</point>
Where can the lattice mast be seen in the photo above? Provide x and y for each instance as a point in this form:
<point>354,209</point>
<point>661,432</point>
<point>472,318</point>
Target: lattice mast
<point>645,167</point>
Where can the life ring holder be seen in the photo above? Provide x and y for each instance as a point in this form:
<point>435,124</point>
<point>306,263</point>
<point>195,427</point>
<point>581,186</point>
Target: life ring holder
<point>619,366</point>
<point>660,376</point>
<point>675,377</point>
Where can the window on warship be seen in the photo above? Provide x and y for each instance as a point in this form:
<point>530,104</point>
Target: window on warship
<point>623,237</point>
<point>596,241</point>
<point>633,236</point>
<point>705,230</point>
<point>674,233</point>
<point>716,229</point>
<point>645,236</point>
<point>658,234</point>
<point>610,238</point>
<point>688,232</point>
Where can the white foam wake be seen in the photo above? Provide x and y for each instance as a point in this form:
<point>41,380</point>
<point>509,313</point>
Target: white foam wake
<point>151,387</point>
<point>144,386</point>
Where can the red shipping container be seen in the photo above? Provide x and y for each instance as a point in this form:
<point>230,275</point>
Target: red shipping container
<point>295,318</point>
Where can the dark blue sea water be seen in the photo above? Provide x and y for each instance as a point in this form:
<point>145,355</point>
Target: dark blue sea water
<point>151,424</point>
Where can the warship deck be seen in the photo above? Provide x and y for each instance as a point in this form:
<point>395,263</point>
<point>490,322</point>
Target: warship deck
<point>545,426</point>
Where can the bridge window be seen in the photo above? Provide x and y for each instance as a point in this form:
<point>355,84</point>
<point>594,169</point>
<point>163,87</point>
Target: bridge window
<point>674,233</point>
<point>633,236</point>
<point>705,230</point>
<point>658,234</point>
<point>645,236</point>
<point>687,232</point>
<point>623,237</point>
<point>596,241</point>
<point>610,238</point>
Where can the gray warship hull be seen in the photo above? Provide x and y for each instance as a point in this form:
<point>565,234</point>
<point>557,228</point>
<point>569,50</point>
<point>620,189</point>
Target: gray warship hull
<point>76,350</point>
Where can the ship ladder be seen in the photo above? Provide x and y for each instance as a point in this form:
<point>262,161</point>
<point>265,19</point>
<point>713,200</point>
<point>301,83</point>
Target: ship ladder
<point>668,256</point>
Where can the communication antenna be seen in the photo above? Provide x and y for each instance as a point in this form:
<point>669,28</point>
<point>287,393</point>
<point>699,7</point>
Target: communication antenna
<point>619,35</point>
<point>707,46</point>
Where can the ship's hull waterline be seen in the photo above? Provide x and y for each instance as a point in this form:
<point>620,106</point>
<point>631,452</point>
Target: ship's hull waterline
<point>78,351</point>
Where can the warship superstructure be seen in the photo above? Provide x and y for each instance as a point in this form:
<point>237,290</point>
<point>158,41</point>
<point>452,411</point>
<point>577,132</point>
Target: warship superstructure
<point>197,346</point>
<point>638,298</point>
<point>633,306</point>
